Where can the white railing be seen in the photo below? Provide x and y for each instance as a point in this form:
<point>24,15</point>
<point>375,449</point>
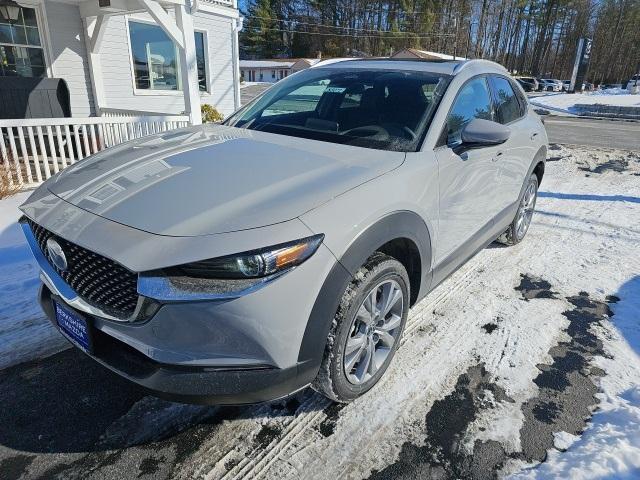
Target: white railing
<point>119,113</point>
<point>34,149</point>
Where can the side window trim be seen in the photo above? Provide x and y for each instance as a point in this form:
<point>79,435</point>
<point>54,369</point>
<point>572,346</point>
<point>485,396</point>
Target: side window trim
<point>522,98</point>
<point>442,139</point>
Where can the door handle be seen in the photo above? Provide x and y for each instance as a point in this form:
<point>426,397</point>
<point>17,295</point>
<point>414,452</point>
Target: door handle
<point>497,157</point>
<point>534,135</point>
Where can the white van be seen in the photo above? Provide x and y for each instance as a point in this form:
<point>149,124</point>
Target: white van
<point>634,84</point>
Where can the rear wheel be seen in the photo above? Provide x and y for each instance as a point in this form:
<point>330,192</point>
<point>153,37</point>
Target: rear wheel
<point>520,225</point>
<point>366,329</point>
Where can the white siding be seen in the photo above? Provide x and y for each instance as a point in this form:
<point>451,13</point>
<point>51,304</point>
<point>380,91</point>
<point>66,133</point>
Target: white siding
<point>220,50</point>
<point>69,54</point>
<point>118,77</point>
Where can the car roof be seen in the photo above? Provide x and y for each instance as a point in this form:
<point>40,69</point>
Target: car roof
<point>442,67</point>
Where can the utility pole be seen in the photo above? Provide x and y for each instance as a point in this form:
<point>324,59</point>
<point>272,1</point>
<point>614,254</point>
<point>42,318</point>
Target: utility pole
<point>455,41</point>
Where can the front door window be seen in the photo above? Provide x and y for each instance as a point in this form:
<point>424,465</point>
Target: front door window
<point>473,101</point>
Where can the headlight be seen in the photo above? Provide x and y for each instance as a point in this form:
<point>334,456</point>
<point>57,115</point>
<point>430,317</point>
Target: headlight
<point>254,264</point>
<point>226,277</point>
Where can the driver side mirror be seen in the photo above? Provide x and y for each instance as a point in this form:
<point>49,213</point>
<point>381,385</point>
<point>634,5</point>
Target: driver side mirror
<point>479,133</point>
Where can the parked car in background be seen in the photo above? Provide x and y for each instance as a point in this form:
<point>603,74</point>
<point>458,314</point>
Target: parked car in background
<point>528,84</point>
<point>241,262</point>
<point>566,85</point>
<point>550,85</point>
<point>634,83</point>
<point>559,83</point>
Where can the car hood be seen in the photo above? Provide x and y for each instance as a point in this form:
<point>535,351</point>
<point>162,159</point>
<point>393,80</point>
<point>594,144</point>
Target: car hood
<point>215,179</point>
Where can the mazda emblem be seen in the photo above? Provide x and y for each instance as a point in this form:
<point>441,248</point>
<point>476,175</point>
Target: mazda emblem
<point>56,254</point>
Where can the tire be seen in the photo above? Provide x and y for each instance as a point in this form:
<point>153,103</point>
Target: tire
<point>344,373</point>
<point>520,224</point>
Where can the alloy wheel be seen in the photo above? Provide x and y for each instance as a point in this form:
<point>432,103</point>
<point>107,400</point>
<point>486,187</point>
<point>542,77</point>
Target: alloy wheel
<point>374,331</point>
<point>525,210</point>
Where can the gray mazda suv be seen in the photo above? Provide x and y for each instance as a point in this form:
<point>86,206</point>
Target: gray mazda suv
<point>241,262</point>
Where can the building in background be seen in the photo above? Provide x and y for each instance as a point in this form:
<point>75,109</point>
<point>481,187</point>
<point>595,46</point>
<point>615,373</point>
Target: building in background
<point>272,70</point>
<point>424,54</point>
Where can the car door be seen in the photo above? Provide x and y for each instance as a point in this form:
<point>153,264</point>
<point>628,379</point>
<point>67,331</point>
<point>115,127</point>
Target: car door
<point>467,200</point>
<point>514,157</point>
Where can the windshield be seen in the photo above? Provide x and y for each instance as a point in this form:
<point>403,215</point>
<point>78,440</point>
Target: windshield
<point>381,109</point>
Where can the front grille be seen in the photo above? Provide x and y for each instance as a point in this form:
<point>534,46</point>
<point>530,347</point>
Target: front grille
<point>99,281</point>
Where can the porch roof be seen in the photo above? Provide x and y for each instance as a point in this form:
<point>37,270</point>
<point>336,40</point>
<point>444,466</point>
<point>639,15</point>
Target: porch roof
<point>179,27</point>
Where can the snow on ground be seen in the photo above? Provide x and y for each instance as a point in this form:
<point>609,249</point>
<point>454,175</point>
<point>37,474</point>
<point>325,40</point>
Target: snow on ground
<point>250,84</point>
<point>25,332</point>
<point>565,102</point>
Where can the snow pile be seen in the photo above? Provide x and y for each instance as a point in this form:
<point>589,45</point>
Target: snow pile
<point>609,91</point>
<point>566,102</point>
<point>24,330</point>
<point>251,84</point>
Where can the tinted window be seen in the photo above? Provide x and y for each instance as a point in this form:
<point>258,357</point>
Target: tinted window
<point>380,109</point>
<point>473,101</point>
<point>508,107</point>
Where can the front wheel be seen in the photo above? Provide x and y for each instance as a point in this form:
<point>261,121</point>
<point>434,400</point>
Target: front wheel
<point>520,225</point>
<point>366,330</point>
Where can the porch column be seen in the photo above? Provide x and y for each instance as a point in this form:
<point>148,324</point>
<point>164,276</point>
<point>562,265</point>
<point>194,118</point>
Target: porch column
<point>236,27</point>
<point>94,29</point>
<point>188,65</point>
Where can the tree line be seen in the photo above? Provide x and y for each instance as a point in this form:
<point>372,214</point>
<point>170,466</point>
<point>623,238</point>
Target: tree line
<point>536,37</point>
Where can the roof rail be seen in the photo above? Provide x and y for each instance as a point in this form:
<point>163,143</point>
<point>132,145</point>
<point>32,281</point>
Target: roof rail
<point>465,63</point>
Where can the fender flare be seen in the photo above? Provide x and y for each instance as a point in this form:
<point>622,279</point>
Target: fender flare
<point>400,224</point>
<point>540,156</point>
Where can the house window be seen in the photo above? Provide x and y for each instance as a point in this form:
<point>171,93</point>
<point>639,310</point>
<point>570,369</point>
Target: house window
<point>200,61</point>
<point>156,61</point>
<point>21,52</point>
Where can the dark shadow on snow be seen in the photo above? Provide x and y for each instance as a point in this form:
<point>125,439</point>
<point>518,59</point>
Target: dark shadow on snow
<point>589,197</point>
<point>68,403</point>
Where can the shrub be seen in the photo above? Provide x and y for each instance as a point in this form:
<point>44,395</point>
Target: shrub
<point>210,114</point>
<point>8,185</point>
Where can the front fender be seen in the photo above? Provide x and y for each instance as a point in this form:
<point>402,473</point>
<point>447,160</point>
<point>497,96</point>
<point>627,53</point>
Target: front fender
<point>401,224</point>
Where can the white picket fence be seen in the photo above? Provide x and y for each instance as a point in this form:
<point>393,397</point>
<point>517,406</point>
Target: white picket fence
<point>34,149</point>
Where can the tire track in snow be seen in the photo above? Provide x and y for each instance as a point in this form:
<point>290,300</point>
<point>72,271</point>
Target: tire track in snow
<point>255,466</point>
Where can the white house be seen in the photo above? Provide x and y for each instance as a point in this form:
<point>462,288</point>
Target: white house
<point>270,71</point>
<point>132,67</point>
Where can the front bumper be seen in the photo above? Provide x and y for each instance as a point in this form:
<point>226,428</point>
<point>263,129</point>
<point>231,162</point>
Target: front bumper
<point>253,348</point>
<point>192,384</point>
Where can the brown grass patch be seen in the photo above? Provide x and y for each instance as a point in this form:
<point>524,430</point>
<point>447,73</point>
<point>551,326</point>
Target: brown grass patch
<point>8,181</point>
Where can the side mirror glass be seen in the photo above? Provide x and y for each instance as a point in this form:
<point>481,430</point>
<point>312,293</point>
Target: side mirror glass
<point>480,133</point>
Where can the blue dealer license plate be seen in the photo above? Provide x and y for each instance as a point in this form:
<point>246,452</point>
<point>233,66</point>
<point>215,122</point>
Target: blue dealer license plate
<point>74,327</point>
